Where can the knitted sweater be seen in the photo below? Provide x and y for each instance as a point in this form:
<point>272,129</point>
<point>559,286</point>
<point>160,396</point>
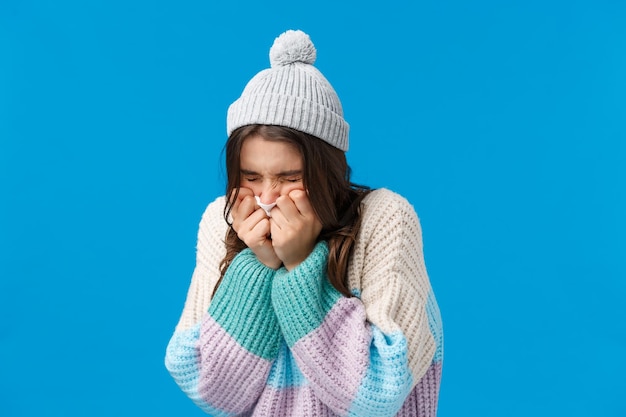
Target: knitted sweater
<point>287,343</point>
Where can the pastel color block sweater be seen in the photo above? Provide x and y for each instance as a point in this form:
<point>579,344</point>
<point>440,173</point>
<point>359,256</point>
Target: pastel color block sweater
<point>287,343</point>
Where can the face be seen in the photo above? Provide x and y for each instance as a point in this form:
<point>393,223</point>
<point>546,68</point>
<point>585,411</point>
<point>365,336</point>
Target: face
<point>270,168</point>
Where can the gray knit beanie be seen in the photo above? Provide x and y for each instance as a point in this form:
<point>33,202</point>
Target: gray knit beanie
<point>292,93</point>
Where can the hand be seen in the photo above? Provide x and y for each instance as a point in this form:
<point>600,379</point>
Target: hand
<point>253,227</point>
<point>294,228</point>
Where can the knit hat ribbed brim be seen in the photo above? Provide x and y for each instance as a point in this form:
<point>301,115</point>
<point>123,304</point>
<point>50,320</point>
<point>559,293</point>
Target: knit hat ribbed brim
<point>292,93</point>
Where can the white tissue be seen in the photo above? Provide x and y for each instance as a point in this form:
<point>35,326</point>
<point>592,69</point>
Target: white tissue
<point>266,207</point>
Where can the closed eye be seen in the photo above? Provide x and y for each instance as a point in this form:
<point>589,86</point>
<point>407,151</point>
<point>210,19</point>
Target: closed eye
<point>248,175</point>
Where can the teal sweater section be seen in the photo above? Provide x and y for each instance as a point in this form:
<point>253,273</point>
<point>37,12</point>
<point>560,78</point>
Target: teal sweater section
<point>242,305</point>
<point>303,296</point>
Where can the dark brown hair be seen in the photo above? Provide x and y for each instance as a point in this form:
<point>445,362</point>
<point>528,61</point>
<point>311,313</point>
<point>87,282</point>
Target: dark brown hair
<point>326,178</point>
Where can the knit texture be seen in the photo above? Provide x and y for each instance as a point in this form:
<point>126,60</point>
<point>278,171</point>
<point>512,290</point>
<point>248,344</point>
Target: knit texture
<point>287,343</point>
<point>292,93</point>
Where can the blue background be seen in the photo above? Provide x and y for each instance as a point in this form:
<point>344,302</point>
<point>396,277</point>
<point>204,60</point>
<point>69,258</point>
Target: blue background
<point>504,123</point>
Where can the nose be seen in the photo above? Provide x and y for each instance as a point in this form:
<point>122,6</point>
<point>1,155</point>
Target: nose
<point>269,193</point>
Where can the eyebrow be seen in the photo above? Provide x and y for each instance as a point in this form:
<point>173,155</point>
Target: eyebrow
<point>280,174</point>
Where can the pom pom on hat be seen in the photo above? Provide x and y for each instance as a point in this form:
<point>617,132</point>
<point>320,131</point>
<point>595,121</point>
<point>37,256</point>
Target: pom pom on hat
<point>292,93</point>
<point>292,46</point>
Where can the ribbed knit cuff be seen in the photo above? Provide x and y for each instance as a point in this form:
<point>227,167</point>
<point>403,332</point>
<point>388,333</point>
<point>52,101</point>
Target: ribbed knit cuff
<point>242,305</point>
<point>302,296</point>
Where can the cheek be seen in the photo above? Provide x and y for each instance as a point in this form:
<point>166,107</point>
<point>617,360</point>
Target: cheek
<point>254,186</point>
<point>290,187</point>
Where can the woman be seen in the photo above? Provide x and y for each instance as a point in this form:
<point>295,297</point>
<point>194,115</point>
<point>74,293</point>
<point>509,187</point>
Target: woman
<point>310,294</point>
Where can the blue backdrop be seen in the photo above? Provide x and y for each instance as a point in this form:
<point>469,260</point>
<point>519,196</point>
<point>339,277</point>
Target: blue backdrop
<point>504,123</point>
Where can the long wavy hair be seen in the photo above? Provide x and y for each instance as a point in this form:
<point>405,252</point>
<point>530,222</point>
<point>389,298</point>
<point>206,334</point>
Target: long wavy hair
<point>326,178</point>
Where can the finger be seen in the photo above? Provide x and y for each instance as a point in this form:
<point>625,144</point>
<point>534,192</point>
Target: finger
<point>286,206</point>
<point>255,216</point>
<point>248,205</point>
<point>284,212</point>
<point>239,194</point>
<point>246,227</point>
<point>246,216</point>
<point>302,203</point>
<point>261,230</point>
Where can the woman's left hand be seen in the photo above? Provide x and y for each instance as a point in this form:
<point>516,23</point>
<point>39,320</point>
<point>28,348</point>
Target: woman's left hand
<point>294,227</point>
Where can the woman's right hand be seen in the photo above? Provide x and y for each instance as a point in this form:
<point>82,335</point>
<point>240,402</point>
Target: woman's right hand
<point>252,226</point>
